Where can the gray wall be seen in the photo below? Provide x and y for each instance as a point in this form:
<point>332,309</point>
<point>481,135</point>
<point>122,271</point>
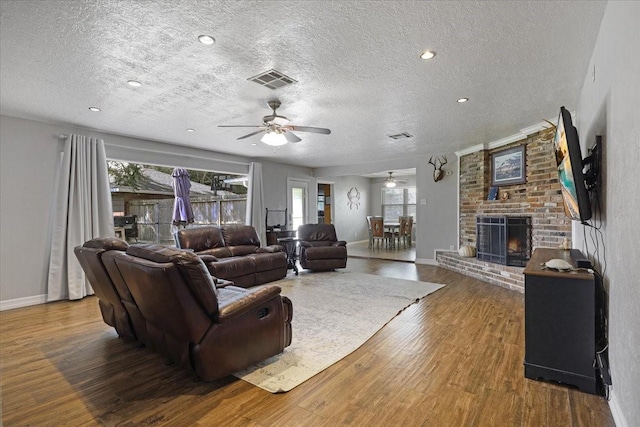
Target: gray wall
<point>275,176</point>
<point>29,156</point>
<point>437,226</point>
<point>350,219</point>
<point>610,106</point>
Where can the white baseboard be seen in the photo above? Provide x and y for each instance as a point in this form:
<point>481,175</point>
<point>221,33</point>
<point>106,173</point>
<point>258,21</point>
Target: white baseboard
<point>357,241</point>
<point>616,412</point>
<point>426,261</point>
<point>433,261</point>
<point>22,302</point>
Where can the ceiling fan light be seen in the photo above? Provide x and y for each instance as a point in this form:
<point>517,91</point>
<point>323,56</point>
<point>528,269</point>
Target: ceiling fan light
<point>390,181</point>
<point>274,139</point>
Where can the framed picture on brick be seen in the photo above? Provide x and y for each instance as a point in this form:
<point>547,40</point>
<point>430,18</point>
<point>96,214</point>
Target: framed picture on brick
<point>508,167</point>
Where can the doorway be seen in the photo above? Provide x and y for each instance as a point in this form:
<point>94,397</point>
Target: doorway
<point>325,212</point>
<point>298,202</point>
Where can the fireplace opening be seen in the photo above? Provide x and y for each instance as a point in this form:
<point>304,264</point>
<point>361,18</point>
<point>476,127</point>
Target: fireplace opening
<point>504,239</point>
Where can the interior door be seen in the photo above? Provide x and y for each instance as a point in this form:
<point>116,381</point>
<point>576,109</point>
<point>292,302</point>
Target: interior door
<point>297,202</point>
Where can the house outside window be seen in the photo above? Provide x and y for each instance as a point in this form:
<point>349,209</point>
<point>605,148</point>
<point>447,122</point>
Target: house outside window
<point>398,202</point>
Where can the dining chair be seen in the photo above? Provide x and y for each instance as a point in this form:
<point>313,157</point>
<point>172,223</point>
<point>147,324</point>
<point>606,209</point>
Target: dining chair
<point>409,230</point>
<point>377,231</point>
<point>401,234</point>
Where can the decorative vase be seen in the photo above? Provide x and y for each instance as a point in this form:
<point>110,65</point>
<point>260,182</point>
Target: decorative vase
<point>467,251</point>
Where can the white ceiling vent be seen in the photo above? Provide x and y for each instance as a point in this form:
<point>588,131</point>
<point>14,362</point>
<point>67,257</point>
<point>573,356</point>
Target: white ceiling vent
<point>272,79</point>
<point>403,135</point>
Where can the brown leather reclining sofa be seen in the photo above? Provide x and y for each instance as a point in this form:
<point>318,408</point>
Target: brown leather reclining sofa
<point>233,252</point>
<point>166,298</point>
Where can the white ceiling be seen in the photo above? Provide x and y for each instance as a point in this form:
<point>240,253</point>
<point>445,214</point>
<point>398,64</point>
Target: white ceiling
<point>356,65</point>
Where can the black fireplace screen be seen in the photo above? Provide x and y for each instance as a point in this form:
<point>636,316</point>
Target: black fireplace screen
<point>504,239</point>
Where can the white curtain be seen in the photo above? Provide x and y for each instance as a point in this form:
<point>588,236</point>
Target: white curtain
<point>255,201</point>
<point>83,211</point>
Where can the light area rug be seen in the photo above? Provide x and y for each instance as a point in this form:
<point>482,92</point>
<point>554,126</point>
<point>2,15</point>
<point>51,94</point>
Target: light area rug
<point>334,313</point>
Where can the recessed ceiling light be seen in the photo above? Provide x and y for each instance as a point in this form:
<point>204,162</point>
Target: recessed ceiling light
<point>427,54</point>
<point>191,130</point>
<point>94,109</point>
<point>254,143</point>
<point>461,100</point>
<point>205,39</point>
<point>134,83</point>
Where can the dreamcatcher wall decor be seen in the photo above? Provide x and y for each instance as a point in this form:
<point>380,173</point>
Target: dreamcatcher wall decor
<point>354,198</point>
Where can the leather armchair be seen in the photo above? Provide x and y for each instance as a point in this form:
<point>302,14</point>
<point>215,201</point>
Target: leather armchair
<point>320,249</point>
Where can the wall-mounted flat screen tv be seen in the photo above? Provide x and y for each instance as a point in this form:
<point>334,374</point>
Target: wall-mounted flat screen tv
<point>577,205</point>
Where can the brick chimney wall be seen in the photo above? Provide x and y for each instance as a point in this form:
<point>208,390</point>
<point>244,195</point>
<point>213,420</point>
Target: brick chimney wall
<point>539,197</point>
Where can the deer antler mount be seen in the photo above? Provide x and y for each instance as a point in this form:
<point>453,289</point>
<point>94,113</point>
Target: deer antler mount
<point>438,173</point>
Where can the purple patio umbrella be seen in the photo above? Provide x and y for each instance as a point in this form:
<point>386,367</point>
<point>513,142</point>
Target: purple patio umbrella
<point>182,212</point>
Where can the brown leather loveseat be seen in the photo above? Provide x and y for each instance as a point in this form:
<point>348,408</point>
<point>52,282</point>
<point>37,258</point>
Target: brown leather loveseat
<point>320,249</point>
<point>176,309</point>
<point>233,252</point>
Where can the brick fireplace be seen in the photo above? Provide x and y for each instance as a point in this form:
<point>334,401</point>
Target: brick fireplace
<point>539,198</point>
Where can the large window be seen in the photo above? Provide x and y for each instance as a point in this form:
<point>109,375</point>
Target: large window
<point>398,202</point>
<point>145,193</point>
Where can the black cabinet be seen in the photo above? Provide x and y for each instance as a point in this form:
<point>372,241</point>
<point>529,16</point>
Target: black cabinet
<point>563,322</point>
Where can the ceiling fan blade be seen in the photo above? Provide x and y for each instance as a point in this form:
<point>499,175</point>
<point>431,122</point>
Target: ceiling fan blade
<point>310,129</point>
<point>251,134</point>
<point>291,137</point>
<point>239,126</point>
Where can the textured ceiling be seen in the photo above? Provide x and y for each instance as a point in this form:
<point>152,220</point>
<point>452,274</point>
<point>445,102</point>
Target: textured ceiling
<point>356,65</point>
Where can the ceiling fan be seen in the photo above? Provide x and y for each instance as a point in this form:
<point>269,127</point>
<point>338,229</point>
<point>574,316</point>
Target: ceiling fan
<point>392,181</point>
<point>278,128</point>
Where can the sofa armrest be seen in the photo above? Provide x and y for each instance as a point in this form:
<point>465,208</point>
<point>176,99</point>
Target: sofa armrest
<point>305,244</point>
<point>208,258</point>
<point>234,302</point>
<point>270,249</point>
<point>340,243</point>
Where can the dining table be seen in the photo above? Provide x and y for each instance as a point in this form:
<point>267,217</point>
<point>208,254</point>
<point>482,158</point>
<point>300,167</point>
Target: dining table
<point>393,228</point>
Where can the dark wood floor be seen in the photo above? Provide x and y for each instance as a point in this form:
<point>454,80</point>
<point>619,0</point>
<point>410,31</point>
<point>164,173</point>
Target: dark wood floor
<point>453,359</point>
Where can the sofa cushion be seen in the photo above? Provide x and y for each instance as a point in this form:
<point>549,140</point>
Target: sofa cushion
<point>317,232</point>
<point>200,238</point>
<point>217,252</point>
<point>326,252</point>
<point>238,235</point>
<point>241,250</point>
<point>270,249</point>
<point>190,265</point>
<point>165,300</point>
<point>269,261</point>
<point>232,267</point>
